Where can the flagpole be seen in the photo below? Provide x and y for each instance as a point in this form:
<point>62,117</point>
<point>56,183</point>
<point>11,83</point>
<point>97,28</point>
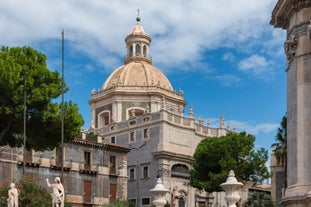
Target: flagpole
<point>62,138</point>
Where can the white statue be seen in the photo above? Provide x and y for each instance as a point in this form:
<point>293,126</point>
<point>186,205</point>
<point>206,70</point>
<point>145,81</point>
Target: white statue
<point>58,196</point>
<point>13,196</point>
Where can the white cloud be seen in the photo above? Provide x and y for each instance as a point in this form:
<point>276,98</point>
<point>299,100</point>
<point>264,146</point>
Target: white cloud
<point>255,129</point>
<point>258,66</point>
<point>228,56</point>
<point>228,79</point>
<point>181,30</point>
<point>251,128</point>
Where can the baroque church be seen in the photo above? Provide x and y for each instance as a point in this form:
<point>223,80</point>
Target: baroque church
<point>138,131</point>
<point>137,107</point>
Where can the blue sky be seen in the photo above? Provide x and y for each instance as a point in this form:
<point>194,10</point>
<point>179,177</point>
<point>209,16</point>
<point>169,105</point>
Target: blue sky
<point>222,54</point>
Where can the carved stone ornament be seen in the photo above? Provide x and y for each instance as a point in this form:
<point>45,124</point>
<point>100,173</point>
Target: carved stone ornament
<point>290,47</point>
<point>164,172</point>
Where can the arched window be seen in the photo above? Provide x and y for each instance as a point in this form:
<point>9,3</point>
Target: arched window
<point>137,49</point>
<point>103,119</point>
<point>181,202</point>
<point>180,170</point>
<point>145,51</point>
<point>131,51</point>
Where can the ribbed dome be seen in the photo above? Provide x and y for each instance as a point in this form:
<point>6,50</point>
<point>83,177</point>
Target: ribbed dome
<point>137,73</point>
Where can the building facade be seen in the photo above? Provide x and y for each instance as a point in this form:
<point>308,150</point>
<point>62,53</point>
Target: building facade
<point>137,107</point>
<point>90,178</point>
<point>294,17</point>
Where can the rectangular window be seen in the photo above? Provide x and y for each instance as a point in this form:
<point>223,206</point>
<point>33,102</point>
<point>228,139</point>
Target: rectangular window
<point>113,140</point>
<point>132,136</point>
<point>113,164</point>
<point>106,118</point>
<point>87,160</point>
<point>145,201</point>
<point>146,134</point>
<point>145,172</point>
<point>28,156</point>
<point>58,158</point>
<point>132,174</point>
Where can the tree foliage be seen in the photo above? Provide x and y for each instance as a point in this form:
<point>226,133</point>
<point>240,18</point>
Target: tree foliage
<point>31,193</point>
<point>215,157</point>
<point>259,199</point>
<point>279,148</point>
<point>43,114</point>
<point>121,203</point>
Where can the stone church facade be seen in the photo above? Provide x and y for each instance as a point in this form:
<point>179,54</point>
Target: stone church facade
<point>138,131</point>
<point>295,18</point>
<point>137,107</point>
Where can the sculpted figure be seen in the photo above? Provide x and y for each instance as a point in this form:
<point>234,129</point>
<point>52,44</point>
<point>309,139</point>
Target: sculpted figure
<point>58,196</point>
<point>13,196</point>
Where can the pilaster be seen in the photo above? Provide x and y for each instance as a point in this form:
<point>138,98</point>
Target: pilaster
<point>294,16</point>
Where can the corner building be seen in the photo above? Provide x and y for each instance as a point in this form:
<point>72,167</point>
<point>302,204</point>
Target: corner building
<point>137,107</point>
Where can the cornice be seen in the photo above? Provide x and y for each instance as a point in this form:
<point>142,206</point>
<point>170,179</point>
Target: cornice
<point>285,9</point>
<point>174,156</point>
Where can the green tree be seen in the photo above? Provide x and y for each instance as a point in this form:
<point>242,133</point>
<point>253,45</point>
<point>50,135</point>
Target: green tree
<point>259,199</point>
<point>4,188</point>
<point>43,113</point>
<point>279,148</point>
<point>31,193</point>
<point>215,157</point>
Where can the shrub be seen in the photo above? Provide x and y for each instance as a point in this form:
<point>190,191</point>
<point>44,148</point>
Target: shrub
<point>31,193</point>
<point>121,203</point>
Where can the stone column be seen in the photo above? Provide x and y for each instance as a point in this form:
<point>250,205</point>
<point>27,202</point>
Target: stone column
<point>294,17</point>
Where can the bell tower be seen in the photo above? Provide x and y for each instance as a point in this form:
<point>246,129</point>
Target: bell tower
<point>294,17</point>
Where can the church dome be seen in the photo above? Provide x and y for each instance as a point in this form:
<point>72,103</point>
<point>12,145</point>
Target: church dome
<point>137,69</point>
<point>137,73</point>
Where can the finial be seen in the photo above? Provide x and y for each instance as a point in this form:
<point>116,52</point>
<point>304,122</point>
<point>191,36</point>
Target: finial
<point>138,18</point>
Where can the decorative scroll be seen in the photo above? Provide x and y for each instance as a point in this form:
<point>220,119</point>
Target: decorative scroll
<point>290,47</point>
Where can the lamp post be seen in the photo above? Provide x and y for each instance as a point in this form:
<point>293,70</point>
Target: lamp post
<point>159,192</point>
<point>231,187</point>
<point>25,119</point>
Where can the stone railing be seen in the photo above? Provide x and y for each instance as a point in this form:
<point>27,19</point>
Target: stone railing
<point>122,88</point>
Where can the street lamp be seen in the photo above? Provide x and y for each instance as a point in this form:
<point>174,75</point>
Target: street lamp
<point>25,110</point>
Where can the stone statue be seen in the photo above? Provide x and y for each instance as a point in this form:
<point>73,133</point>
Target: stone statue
<point>58,196</point>
<point>13,196</point>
